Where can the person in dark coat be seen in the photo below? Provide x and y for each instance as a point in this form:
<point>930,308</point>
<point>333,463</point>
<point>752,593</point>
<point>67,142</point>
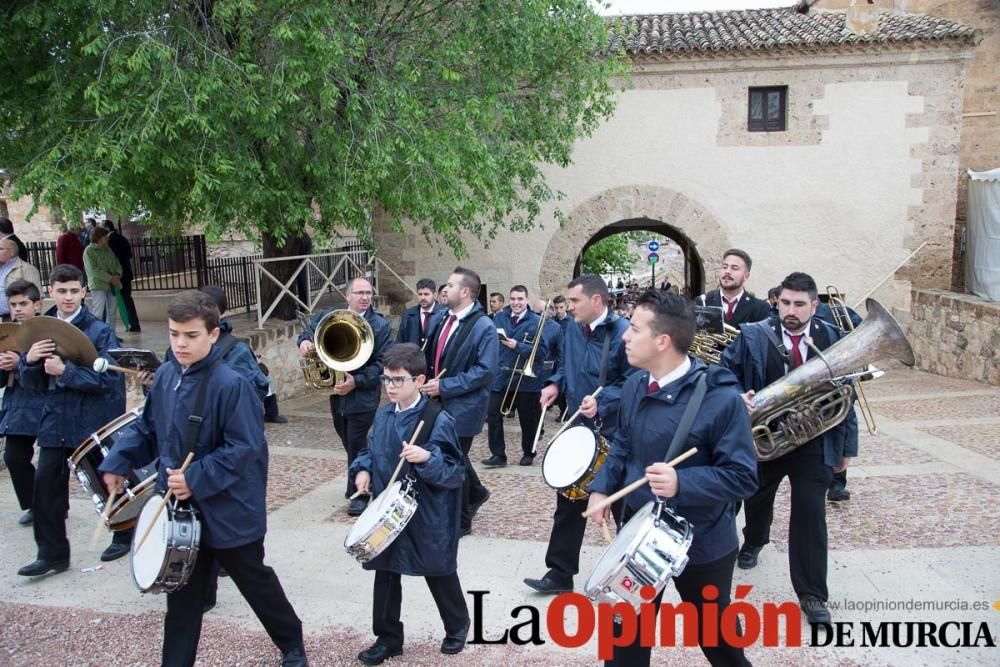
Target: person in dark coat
<point>7,230</point>
<point>702,489</point>
<point>562,318</point>
<point>519,324</point>
<point>78,402</point>
<point>757,362</point>
<point>428,545</point>
<point>354,401</point>
<point>582,367</point>
<point>226,482</point>
<point>464,348</point>
<point>22,407</point>
<point>123,251</point>
<point>738,305</point>
<point>419,320</point>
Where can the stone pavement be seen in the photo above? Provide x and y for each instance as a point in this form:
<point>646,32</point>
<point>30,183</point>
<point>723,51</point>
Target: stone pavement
<point>923,526</point>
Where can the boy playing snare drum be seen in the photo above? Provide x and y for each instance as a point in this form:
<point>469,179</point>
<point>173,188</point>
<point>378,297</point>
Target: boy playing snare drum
<point>428,545</point>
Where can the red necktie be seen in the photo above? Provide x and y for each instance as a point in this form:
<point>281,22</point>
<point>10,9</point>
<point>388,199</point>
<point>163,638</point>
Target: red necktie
<point>730,307</point>
<point>796,354</point>
<point>586,331</point>
<point>442,339</point>
<point>514,320</point>
<point>427,318</point>
<point>653,387</point>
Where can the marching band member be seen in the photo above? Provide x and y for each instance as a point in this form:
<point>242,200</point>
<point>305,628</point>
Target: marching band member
<point>552,334</point>
<point>738,306</point>
<point>519,325</point>
<point>226,482</point>
<point>464,348</point>
<point>496,304</point>
<point>78,402</point>
<point>354,401</point>
<point>592,355</point>
<point>760,355</point>
<point>428,546</point>
<point>562,318</point>
<point>419,320</point>
<point>22,407</point>
<point>702,489</point>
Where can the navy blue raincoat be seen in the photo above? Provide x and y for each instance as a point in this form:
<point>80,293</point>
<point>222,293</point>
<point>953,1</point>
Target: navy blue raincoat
<point>524,331</point>
<point>411,324</point>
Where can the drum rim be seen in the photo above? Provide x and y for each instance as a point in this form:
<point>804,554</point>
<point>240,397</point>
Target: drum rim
<point>132,551</point>
<point>590,465</point>
<point>360,547</point>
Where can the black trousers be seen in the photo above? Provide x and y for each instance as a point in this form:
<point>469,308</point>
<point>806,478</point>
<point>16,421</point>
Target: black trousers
<point>260,588</point>
<point>839,480</point>
<point>50,503</point>
<point>388,599</point>
<point>529,411</point>
<point>810,478</point>
<point>17,455</point>
<point>568,527</point>
<point>690,584</point>
<point>133,316</point>
<point>271,407</point>
<point>353,432</point>
<point>473,491</point>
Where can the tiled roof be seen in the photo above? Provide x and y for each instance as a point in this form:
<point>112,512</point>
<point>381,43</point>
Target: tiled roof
<point>766,30</point>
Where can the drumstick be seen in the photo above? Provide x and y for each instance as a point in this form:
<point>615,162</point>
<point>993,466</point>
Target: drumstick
<point>538,431</point>
<point>399,467</point>
<point>599,507</point>
<point>103,518</point>
<point>163,503</point>
<point>607,531</point>
<point>572,418</point>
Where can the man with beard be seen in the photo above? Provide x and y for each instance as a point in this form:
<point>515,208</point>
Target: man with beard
<point>738,306</point>
<point>420,320</point>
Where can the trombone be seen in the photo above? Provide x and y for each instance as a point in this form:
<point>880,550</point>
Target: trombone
<point>842,318</point>
<point>528,369</point>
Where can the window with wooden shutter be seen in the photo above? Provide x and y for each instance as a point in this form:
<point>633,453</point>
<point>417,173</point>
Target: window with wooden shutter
<point>766,109</point>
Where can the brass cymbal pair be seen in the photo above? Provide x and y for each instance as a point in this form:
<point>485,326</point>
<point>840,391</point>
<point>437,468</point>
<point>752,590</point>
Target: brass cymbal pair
<point>71,343</point>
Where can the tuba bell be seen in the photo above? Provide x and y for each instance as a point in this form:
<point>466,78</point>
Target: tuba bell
<point>815,397</point>
<point>344,341</point>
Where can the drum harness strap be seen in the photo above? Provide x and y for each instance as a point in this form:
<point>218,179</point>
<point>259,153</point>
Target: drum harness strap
<point>429,416</point>
<point>196,417</point>
<point>779,347</point>
<point>602,374</point>
<point>687,419</point>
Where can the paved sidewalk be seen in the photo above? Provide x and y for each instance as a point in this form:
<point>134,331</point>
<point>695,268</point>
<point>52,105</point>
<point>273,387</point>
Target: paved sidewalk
<point>923,525</point>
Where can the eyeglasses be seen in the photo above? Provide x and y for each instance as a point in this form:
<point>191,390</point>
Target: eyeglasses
<point>395,380</point>
<point>369,293</point>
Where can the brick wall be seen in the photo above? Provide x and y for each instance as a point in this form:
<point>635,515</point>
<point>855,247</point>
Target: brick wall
<point>957,335</point>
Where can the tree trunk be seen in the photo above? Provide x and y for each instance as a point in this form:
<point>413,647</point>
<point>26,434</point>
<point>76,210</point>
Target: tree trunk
<point>298,245</point>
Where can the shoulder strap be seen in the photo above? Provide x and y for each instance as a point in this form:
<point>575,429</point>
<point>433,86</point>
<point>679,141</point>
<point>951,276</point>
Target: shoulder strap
<point>431,411</point>
<point>197,415</point>
<point>776,343</point>
<point>227,343</point>
<point>603,374</point>
<point>687,419</point>
<point>464,329</point>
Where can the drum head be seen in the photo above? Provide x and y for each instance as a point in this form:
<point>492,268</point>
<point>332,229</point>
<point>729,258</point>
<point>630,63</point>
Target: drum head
<point>371,518</point>
<point>569,457</point>
<point>148,561</point>
<point>623,545</point>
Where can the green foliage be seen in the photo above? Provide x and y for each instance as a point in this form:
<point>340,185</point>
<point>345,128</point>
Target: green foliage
<point>270,115</point>
<point>610,255</point>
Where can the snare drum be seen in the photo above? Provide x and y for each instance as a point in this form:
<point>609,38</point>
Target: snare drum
<point>88,457</point>
<point>649,550</point>
<point>572,460</point>
<point>382,521</point>
<point>168,555</point>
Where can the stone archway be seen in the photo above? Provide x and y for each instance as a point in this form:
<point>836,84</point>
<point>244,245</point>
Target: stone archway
<point>666,211</point>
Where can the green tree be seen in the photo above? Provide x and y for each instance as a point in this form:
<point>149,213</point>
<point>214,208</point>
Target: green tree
<point>609,255</point>
<point>270,115</point>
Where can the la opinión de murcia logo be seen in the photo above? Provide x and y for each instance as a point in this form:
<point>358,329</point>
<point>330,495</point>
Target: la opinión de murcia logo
<point>741,624</point>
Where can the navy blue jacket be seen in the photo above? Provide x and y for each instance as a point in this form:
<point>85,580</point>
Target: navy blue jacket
<point>80,401</point>
<point>429,544</point>
<point>748,309</point>
<point>368,385</point>
<point>411,324</point>
<point>240,357</point>
<point>465,387</point>
<point>552,336</point>
<point>579,368</point>
<point>709,483</point>
<point>756,364</point>
<point>22,407</point>
<point>524,331</point>
<point>228,476</point>
<point>563,322</point>
<point>824,313</point>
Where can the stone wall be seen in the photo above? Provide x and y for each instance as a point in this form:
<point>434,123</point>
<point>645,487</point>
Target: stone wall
<point>957,335</point>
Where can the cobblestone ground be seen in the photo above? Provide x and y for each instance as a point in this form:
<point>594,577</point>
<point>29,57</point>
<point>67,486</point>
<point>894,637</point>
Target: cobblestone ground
<point>923,523</point>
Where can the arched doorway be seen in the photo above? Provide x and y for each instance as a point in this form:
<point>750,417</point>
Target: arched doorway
<point>692,273</point>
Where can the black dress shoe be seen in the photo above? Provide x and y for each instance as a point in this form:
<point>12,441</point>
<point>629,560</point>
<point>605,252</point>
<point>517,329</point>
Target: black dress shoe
<point>114,552</point>
<point>549,586</point>
<point>838,494</point>
<point>208,606</point>
<point>815,609</point>
<point>378,653</point>
<point>26,519</point>
<point>495,461</point>
<point>464,530</point>
<point>453,645</point>
<point>747,558</point>
<point>357,506</point>
<point>277,420</point>
<point>526,460</point>
<point>40,567</point>
<point>295,658</point>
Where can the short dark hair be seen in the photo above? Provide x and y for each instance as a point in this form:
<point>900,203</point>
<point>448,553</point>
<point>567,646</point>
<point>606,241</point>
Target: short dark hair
<point>407,356</point>
<point>108,225</point>
<point>28,289</point>
<point>441,288</point>
<point>773,292</point>
<point>218,296</point>
<point>742,254</point>
<point>65,273</point>
<point>6,226</point>
<point>800,282</point>
<point>98,234</point>
<point>591,284</point>
<point>194,305</point>
<point>471,280</point>
<point>90,220</point>
<point>673,315</point>
<point>557,299</point>
<point>426,283</point>
<point>496,295</point>
<point>519,288</point>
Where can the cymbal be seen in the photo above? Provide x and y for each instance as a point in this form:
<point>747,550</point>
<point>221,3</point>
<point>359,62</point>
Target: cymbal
<point>71,343</point>
<point>8,337</point>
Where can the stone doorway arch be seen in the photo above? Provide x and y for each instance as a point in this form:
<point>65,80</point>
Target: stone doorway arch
<point>645,207</point>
